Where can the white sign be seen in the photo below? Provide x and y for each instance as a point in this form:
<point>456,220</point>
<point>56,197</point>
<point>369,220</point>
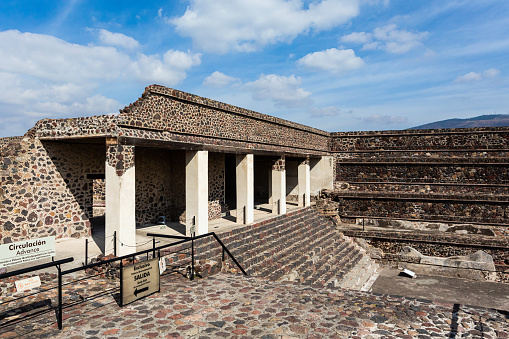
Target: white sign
<point>25,251</point>
<point>162,265</point>
<point>28,284</point>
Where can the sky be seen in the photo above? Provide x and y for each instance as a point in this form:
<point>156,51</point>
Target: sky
<point>336,65</point>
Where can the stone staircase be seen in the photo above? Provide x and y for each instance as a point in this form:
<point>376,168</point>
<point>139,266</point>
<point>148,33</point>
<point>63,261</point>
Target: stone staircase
<point>301,247</point>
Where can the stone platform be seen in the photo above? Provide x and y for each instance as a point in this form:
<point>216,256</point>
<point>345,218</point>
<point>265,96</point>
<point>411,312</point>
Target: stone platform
<point>234,306</point>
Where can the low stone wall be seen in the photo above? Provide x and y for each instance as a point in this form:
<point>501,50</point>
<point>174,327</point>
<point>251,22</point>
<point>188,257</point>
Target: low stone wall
<point>429,209</point>
<point>449,139</point>
<point>437,244</point>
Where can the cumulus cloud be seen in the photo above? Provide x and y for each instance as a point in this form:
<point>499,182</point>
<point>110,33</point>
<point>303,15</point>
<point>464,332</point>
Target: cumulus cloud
<point>117,39</point>
<point>387,38</point>
<point>218,80</point>
<point>473,76</point>
<point>333,60</point>
<point>43,76</point>
<point>173,65</point>
<point>328,112</point>
<point>284,91</point>
<point>385,119</point>
<point>49,58</point>
<point>357,37</point>
<point>246,25</point>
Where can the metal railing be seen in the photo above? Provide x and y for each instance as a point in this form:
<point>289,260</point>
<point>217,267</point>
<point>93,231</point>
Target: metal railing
<point>192,239</point>
<point>152,250</point>
<point>40,267</point>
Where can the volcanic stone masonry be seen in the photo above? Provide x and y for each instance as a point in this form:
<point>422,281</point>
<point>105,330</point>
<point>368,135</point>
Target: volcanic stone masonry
<point>452,175</point>
<point>48,175</point>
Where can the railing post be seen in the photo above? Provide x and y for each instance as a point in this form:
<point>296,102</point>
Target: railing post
<point>115,243</point>
<point>86,252</point>
<point>153,247</point>
<point>192,255</point>
<point>121,283</point>
<point>59,319</point>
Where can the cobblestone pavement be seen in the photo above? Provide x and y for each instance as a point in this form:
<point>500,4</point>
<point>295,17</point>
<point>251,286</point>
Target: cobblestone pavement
<point>233,306</point>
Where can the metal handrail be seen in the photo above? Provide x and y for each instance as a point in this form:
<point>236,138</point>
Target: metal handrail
<point>199,237</point>
<point>40,267</point>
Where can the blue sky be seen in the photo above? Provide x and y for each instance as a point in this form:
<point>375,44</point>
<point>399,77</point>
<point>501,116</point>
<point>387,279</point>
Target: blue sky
<point>337,65</point>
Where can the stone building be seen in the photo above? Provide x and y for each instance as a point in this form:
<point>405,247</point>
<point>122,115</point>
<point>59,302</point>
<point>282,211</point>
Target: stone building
<point>169,154</point>
<point>192,159</point>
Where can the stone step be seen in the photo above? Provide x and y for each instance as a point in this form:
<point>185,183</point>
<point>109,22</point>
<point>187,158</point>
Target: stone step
<point>321,247</point>
<point>329,269</point>
<point>369,272</point>
<point>336,263</point>
<point>270,251</point>
<point>256,233</point>
<point>296,250</point>
<point>284,236</point>
<point>359,274</point>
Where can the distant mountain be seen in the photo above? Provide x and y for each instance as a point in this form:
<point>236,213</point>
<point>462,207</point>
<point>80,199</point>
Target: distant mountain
<point>489,120</point>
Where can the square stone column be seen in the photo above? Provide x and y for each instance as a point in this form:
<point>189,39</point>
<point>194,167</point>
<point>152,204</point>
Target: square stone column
<point>120,199</point>
<point>197,191</point>
<point>322,174</point>
<point>245,188</point>
<point>304,184</point>
<point>279,186</point>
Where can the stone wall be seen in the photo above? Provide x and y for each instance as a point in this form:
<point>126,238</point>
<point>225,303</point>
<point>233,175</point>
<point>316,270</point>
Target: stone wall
<point>45,190</point>
<point>444,139</point>
<point>216,185</point>
<point>153,185</point>
<point>442,175</point>
<point>160,185</point>
<point>163,109</point>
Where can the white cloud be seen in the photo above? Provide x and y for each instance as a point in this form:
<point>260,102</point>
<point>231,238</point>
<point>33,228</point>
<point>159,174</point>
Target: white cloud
<point>35,99</point>
<point>357,37</point>
<point>43,76</point>
<point>332,60</point>
<point>117,39</point>
<point>331,111</point>
<point>491,73</point>
<point>473,76</point>
<point>218,80</point>
<point>174,64</point>
<point>388,38</point>
<point>385,119</point>
<point>284,91</point>
<point>246,25</point>
<point>49,58</point>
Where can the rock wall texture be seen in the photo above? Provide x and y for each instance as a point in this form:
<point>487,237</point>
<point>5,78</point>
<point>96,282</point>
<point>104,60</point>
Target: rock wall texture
<point>160,185</point>
<point>45,190</point>
<point>456,175</point>
<point>216,185</point>
<point>163,109</point>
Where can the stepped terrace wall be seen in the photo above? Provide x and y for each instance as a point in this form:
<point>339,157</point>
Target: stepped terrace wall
<point>458,175</point>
